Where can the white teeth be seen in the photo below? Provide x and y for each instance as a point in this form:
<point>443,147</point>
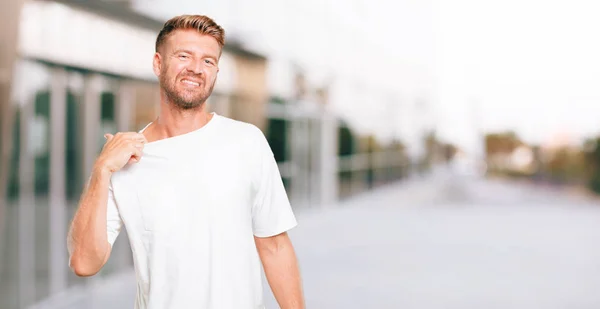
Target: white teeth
<point>191,83</point>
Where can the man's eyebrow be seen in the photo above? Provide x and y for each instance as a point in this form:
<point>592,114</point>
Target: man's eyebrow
<point>183,50</point>
<point>180,50</point>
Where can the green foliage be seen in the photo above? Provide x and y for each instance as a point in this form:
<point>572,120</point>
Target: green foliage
<point>277,134</point>
<point>592,157</point>
<point>346,142</point>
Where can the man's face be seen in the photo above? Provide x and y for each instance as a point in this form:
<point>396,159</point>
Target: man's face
<point>187,65</point>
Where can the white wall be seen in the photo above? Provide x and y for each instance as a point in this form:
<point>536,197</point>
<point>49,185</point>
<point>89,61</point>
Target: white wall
<point>58,33</point>
<point>61,34</point>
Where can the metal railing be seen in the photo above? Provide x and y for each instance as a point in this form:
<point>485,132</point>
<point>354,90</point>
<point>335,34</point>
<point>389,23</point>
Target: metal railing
<point>363,171</point>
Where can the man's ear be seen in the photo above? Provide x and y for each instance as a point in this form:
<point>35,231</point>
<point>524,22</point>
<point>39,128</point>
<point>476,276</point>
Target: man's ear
<point>157,63</point>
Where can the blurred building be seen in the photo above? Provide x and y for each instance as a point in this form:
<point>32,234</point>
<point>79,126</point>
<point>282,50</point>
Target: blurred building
<point>74,70</point>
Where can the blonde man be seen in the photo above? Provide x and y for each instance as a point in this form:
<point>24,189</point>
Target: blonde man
<point>199,193</point>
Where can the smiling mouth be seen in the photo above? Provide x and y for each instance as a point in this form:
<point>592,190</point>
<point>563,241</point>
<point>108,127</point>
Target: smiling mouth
<point>191,83</point>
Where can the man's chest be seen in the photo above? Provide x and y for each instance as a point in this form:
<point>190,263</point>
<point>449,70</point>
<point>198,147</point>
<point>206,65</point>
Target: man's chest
<point>166,196</point>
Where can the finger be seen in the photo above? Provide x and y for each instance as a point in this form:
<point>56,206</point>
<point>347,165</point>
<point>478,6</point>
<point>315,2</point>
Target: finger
<point>141,137</point>
<point>135,157</point>
<point>126,135</point>
<point>137,153</point>
<point>108,137</point>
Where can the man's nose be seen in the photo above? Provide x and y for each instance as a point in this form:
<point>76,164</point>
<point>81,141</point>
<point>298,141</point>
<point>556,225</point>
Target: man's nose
<point>196,67</point>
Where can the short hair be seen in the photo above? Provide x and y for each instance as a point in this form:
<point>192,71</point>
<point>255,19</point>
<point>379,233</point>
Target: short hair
<point>203,24</point>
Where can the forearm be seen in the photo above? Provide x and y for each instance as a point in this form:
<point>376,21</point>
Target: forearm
<point>283,274</point>
<point>87,241</point>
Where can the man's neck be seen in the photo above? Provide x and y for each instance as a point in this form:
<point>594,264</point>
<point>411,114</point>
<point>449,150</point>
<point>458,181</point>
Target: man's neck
<point>173,122</point>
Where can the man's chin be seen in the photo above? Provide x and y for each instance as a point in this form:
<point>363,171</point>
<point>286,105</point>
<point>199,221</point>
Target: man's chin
<point>187,99</point>
<point>187,103</point>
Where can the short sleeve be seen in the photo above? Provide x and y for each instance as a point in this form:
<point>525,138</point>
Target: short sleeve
<point>114,224</point>
<point>271,211</point>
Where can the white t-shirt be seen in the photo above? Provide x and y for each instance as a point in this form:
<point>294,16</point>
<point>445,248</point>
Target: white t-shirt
<point>191,207</point>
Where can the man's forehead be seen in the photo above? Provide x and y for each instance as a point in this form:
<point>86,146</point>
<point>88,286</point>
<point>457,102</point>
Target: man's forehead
<point>192,40</point>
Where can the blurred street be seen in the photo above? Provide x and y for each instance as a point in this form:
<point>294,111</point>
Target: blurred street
<point>438,242</point>
<point>435,155</point>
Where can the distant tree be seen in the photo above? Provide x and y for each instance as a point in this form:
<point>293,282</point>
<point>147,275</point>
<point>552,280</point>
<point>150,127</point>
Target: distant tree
<point>501,143</point>
<point>567,165</point>
<point>592,159</point>
<point>437,150</point>
<point>373,144</point>
<point>397,145</point>
<point>449,152</point>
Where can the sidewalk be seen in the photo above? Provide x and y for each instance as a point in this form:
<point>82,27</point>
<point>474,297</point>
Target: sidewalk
<point>114,292</point>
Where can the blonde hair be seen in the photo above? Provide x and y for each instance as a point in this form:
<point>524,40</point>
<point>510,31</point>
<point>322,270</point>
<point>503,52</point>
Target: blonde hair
<point>203,24</point>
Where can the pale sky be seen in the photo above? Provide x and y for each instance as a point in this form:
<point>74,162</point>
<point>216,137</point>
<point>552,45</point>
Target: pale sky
<point>528,65</point>
<point>531,66</point>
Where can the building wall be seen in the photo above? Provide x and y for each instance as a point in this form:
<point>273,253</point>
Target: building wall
<point>8,41</point>
<point>9,14</point>
<point>251,94</point>
<point>147,101</point>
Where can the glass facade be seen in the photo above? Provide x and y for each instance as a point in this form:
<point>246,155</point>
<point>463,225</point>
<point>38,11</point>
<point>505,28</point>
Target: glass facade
<point>34,247</point>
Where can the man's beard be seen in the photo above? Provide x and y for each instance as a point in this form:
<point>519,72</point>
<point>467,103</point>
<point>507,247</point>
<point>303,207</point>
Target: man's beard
<point>180,99</point>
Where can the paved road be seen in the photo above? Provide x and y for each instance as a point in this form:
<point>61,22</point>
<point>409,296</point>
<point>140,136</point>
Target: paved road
<point>445,243</point>
<point>457,244</point>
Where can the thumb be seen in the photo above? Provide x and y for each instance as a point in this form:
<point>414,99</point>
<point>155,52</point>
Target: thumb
<point>108,136</point>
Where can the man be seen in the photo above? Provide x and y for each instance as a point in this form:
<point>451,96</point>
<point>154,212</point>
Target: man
<point>200,194</point>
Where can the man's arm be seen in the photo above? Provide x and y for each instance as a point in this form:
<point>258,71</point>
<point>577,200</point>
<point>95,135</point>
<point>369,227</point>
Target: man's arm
<point>87,242</point>
<point>281,269</point>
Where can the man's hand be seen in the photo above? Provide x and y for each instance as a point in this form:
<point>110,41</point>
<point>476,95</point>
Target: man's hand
<point>121,149</point>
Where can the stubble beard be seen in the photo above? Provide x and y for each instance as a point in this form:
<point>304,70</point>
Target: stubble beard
<point>179,99</point>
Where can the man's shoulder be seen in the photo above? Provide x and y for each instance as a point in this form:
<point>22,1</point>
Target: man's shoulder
<point>240,129</point>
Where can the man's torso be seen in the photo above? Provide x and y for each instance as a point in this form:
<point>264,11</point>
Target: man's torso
<point>187,210</point>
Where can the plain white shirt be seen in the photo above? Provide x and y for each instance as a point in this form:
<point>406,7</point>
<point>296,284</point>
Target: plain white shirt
<point>191,207</point>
